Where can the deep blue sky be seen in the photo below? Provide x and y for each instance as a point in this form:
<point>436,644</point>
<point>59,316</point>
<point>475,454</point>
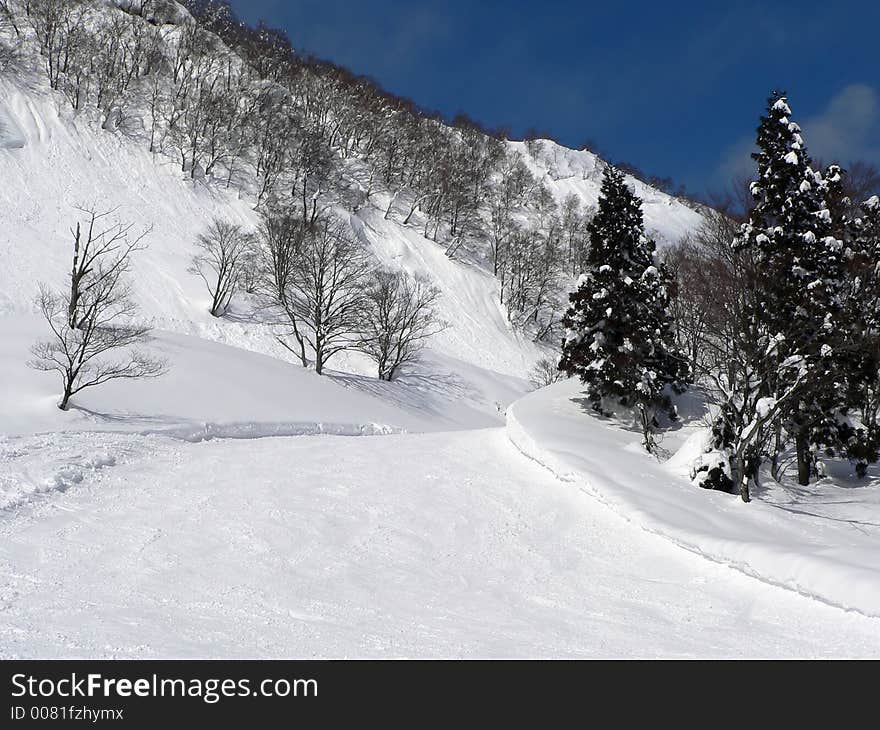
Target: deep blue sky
<point>675,88</point>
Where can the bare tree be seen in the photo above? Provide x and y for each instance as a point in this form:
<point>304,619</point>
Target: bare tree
<point>705,271</point>
<point>220,261</point>
<point>326,289</point>
<point>400,316</point>
<point>546,372</point>
<point>103,323</point>
<point>715,284</point>
<point>309,165</point>
<point>281,235</point>
<point>514,183</point>
<point>7,27</point>
<point>314,277</point>
<point>574,232</point>
<point>57,25</point>
<point>101,250</point>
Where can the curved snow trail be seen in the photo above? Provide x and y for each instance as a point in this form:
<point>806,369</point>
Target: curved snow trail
<point>443,544</point>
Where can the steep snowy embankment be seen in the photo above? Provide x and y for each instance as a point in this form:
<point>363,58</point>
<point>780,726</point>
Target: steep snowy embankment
<point>830,554</point>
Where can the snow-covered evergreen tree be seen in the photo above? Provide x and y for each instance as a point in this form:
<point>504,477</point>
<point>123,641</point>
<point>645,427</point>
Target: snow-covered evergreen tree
<point>795,316</point>
<point>860,357</point>
<point>619,337</point>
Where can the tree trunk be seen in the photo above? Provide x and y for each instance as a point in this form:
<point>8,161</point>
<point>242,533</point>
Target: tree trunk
<point>803,458</point>
<point>65,400</point>
<point>216,304</point>
<point>74,282</point>
<point>645,420</point>
<point>740,478</point>
<point>774,462</point>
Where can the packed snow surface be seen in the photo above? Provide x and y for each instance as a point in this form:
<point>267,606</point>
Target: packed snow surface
<point>445,544</point>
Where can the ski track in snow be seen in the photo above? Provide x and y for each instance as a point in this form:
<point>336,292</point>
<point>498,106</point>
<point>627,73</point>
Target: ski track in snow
<point>443,544</point>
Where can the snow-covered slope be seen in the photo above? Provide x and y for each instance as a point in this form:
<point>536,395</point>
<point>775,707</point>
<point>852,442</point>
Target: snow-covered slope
<point>53,162</point>
<point>209,390</point>
<point>410,544</point>
<point>579,172</point>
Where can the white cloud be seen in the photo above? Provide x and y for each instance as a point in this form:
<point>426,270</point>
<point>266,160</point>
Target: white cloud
<point>848,128</point>
<point>737,162</point>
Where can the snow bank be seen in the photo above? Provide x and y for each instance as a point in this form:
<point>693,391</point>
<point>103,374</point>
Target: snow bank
<point>210,391</point>
<point>833,559</point>
<point>210,431</point>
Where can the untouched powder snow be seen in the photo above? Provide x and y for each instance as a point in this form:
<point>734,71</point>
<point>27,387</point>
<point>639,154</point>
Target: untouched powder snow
<point>433,545</point>
<point>828,554</point>
<point>212,390</point>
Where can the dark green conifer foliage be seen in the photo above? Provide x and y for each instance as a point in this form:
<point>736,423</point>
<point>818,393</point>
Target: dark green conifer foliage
<point>796,317</point>
<point>619,337</point>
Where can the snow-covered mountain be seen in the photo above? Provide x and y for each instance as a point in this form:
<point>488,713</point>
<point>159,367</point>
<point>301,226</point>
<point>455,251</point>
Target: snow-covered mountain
<point>148,521</point>
<point>566,171</point>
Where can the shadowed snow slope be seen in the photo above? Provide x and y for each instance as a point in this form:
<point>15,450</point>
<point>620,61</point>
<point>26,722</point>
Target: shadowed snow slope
<point>829,558</point>
<point>10,135</point>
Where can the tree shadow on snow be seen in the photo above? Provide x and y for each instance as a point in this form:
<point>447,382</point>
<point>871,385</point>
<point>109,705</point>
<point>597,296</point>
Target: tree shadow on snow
<point>412,390</point>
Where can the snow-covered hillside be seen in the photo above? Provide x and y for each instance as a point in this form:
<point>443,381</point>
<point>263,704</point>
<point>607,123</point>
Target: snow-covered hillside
<point>60,163</point>
<point>479,359</point>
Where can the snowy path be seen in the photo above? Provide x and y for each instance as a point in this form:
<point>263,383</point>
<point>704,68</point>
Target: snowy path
<point>444,544</point>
